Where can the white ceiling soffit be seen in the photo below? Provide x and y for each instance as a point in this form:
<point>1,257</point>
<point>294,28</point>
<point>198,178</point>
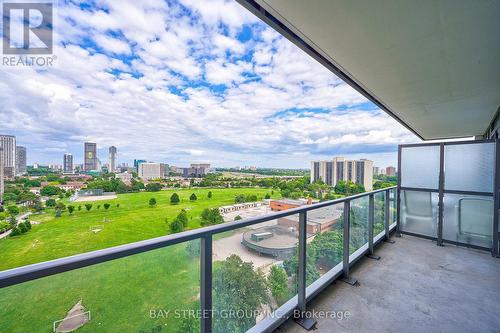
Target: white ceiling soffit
<point>435,65</point>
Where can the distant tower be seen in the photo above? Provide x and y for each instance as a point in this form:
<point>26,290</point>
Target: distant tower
<point>8,143</point>
<point>20,160</point>
<point>90,156</point>
<point>112,158</point>
<point>1,175</point>
<point>68,163</point>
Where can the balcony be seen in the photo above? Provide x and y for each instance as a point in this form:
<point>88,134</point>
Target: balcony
<point>422,255</point>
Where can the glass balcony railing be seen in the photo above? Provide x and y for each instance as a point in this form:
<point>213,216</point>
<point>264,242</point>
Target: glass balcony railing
<point>247,275</point>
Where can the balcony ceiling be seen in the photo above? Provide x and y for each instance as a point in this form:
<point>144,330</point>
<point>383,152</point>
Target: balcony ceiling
<point>434,64</point>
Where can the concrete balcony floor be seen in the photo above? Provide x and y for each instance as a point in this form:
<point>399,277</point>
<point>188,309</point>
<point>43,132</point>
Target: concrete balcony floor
<point>415,287</point>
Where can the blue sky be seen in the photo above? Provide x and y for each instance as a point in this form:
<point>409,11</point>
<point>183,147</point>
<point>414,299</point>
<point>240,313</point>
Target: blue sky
<point>187,81</point>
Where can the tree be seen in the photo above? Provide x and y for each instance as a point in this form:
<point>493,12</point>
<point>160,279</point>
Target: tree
<point>176,226</point>
<point>209,194</point>
<point>106,206</point>
<point>278,283</point>
<point>182,216</point>
<point>117,205</point>
<point>153,187</point>
<point>58,213</point>
<point>79,208</point>
<point>60,206</point>
<point>237,287</point>
<point>71,209</point>
<point>193,197</point>
<point>327,249</point>
<point>268,196</point>
<point>348,188</point>
<point>98,206</point>
<point>211,216</point>
<point>174,199</point>
<point>50,190</point>
<point>23,228</point>
<point>50,203</point>
<point>88,207</point>
<point>13,210</point>
<point>237,218</point>
<point>240,198</point>
<point>152,202</point>
<point>15,232</point>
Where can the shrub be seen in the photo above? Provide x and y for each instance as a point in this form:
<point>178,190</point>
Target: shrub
<point>211,216</point>
<point>117,205</point>
<point>88,207</point>
<point>58,213</point>
<point>79,208</point>
<point>183,217</point>
<point>71,209</point>
<point>15,232</point>
<point>153,187</point>
<point>23,228</point>
<point>152,202</point>
<point>13,210</point>
<point>268,196</point>
<point>106,206</point>
<point>174,199</point>
<point>176,226</point>
<point>60,206</point>
<point>237,218</point>
<point>98,206</point>
<point>193,197</point>
<point>50,203</point>
<point>209,194</point>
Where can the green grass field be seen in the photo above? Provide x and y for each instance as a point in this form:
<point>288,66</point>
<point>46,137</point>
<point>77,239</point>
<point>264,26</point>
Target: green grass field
<point>134,220</point>
<point>120,294</point>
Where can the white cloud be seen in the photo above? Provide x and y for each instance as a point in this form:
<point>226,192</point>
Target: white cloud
<point>279,108</point>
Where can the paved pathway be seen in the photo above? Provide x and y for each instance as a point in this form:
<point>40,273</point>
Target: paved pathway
<point>18,220</point>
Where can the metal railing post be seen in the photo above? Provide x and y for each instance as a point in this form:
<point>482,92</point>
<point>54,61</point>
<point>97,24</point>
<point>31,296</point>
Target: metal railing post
<point>441,196</point>
<point>303,319</point>
<point>345,261</point>
<point>387,215</point>
<point>206,283</point>
<point>371,218</point>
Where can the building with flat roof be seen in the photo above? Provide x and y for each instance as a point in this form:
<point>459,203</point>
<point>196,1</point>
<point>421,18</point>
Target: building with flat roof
<point>338,169</point>
<point>68,163</point>
<point>149,170</point>
<point>390,171</point>
<point>90,156</point>
<point>8,143</point>
<point>112,159</point>
<point>20,160</point>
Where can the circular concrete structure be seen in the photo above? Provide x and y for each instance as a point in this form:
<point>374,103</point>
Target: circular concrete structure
<point>276,241</point>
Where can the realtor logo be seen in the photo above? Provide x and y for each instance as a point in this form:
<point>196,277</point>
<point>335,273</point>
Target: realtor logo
<point>27,28</point>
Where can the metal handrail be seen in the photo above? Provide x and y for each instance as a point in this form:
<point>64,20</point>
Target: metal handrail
<point>35,271</point>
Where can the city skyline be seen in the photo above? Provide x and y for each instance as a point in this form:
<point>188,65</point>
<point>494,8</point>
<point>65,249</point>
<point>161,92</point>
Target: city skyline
<point>197,85</point>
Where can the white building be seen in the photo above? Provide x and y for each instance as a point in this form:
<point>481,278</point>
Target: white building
<point>8,143</point>
<point>149,170</point>
<point>124,177</point>
<point>331,172</point>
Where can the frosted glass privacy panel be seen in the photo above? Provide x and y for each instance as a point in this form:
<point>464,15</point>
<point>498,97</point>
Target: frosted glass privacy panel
<point>468,219</point>
<point>469,167</point>
<point>419,212</point>
<point>420,167</point>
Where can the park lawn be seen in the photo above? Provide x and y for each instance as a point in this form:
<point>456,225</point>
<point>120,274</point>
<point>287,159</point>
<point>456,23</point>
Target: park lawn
<point>133,221</point>
<point>119,294</point>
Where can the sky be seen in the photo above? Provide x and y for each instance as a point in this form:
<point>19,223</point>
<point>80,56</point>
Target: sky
<point>187,81</point>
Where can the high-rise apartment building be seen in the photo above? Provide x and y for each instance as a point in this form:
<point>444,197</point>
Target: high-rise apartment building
<point>112,159</point>
<point>390,171</point>
<point>136,164</point>
<point>331,172</point>
<point>8,143</point>
<point>68,163</point>
<point>90,156</point>
<point>21,160</point>
<point>149,170</point>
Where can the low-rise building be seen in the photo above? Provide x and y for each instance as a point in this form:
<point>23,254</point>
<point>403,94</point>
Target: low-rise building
<point>285,204</point>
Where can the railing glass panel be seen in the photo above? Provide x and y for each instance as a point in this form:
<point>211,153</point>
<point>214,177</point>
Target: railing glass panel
<point>378,213</point>
<point>358,228</point>
<point>148,292</point>
<point>325,241</point>
<point>254,272</point>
